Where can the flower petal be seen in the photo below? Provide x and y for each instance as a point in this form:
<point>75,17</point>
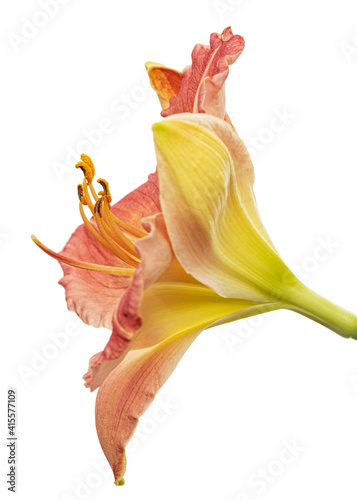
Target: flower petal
<point>202,86</point>
<point>173,316</point>
<point>243,166</point>
<point>158,318</point>
<point>161,301</point>
<point>128,391</point>
<point>165,81</point>
<point>94,296</point>
<point>156,254</point>
<point>144,201</point>
<point>213,235</point>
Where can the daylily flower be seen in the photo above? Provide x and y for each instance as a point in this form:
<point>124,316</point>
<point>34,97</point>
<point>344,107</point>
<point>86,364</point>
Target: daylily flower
<point>184,252</point>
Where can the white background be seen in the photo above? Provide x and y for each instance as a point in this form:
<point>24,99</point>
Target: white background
<point>243,390</point>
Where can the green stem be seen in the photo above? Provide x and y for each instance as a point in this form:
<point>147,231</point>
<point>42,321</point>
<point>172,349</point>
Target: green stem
<point>313,306</point>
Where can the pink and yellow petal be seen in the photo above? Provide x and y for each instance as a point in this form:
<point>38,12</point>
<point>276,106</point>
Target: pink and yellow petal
<point>161,301</point>
<point>94,296</point>
<point>156,255</point>
<point>173,315</point>
<point>243,166</point>
<point>211,232</point>
<point>128,391</point>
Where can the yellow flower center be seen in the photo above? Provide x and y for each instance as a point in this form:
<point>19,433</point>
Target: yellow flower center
<point>110,229</point>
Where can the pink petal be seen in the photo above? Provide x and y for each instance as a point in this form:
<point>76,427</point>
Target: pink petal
<point>202,86</point>
<point>144,201</point>
<point>94,296</point>
<point>156,255</point>
<point>129,390</point>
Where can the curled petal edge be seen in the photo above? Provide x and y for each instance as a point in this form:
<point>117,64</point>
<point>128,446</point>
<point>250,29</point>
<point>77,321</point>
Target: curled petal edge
<point>94,296</point>
<point>156,255</point>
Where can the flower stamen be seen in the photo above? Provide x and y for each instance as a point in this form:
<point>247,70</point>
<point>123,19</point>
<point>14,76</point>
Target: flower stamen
<point>128,228</point>
<point>117,271</point>
<point>94,194</point>
<point>105,191</point>
<point>118,234</point>
<point>110,238</point>
<point>107,233</point>
<point>87,167</point>
<point>98,208</point>
<point>93,231</point>
<point>106,228</point>
<point>81,196</point>
<point>87,195</point>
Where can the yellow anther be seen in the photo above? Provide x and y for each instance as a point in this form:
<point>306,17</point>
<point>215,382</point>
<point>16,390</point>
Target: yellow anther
<point>98,208</point>
<point>88,160</point>
<point>87,171</point>
<point>81,195</point>
<point>105,191</point>
<point>87,167</point>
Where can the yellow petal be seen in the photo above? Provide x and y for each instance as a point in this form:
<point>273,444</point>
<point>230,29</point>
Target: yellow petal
<point>214,233</point>
<point>243,166</point>
<point>177,304</point>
